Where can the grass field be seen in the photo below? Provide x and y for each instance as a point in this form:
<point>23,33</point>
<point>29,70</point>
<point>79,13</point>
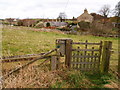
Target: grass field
<point>23,40</point>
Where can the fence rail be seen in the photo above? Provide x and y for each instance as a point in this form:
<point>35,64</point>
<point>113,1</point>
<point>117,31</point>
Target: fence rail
<point>85,49</point>
<point>84,62</point>
<point>21,67</point>
<point>86,43</point>
<point>82,43</point>
<point>21,56</point>
<point>28,57</point>
<point>85,56</point>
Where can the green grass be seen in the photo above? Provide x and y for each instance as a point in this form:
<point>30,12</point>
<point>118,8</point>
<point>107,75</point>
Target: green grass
<point>22,41</point>
<point>76,79</point>
<point>99,79</point>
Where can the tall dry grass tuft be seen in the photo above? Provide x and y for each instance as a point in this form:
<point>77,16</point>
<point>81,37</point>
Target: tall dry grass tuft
<point>32,77</point>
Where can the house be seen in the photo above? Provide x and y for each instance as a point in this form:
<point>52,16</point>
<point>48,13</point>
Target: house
<point>85,17</point>
<point>11,21</point>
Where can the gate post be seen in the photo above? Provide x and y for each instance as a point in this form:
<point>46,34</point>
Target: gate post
<point>54,62</point>
<point>65,49</point>
<point>106,56</point>
<point>68,52</point>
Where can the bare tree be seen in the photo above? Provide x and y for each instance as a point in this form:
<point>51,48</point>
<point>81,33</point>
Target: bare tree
<point>105,10</point>
<point>117,9</point>
<point>62,16</point>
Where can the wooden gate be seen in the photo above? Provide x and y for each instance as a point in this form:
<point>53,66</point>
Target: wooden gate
<point>86,56</point>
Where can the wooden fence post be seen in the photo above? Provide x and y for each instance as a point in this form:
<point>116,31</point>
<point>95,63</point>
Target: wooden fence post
<point>106,56</point>
<point>54,63</point>
<point>119,60</point>
<point>68,52</point>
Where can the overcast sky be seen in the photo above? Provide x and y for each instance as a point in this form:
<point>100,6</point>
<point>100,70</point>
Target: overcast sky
<point>50,8</point>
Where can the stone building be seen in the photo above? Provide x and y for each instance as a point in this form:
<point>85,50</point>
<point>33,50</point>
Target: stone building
<point>85,17</point>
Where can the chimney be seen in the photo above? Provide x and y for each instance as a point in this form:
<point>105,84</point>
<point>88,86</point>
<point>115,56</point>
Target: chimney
<point>85,11</point>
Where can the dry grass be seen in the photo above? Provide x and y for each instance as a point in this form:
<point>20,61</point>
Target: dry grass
<point>37,77</point>
<point>31,78</point>
<point>40,76</point>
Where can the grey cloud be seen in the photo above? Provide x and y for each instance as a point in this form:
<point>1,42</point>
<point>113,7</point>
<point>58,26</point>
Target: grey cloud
<point>51,8</point>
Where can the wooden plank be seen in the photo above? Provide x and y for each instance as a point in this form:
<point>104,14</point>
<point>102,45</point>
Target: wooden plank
<point>87,56</point>
<point>81,60</point>
<point>21,56</point>
<point>85,62</point>
<point>82,43</point>
<point>88,66</point>
<point>98,65</point>
<point>119,61</point>
<point>85,49</point>
<point>73,60</point>
<point>77,58</point>
<point>95,59</point>
<point>53,63</point>
<point>85,59</point>
<point>86,43</point>
<point>100,52</point>
<point>58,62</point>
<point>87,69</point>
<point>92,59</point>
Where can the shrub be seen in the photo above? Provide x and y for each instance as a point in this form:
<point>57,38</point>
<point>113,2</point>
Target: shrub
<point>99,28</point>
<point>84,25</point>
<point>20,23</point>
<point>47,24</point>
